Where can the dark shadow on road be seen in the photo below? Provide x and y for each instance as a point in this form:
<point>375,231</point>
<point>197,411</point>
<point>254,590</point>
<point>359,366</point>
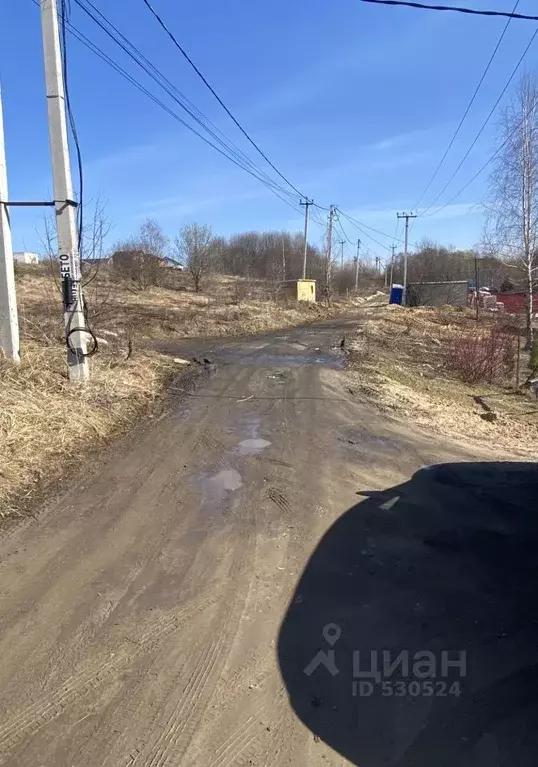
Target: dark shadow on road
<point>451,567</point>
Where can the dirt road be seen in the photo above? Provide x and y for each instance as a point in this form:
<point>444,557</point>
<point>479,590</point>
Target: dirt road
<point>145,616</point>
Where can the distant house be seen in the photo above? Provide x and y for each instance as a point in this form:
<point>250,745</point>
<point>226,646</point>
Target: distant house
<point>25,257</point>
<point>169,263</point>
<point>122,258</point>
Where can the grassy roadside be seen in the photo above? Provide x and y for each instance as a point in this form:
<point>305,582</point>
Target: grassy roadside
<point>44,419</point>
<point>398,362</point>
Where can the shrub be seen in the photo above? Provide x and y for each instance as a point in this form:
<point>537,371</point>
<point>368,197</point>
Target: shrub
<point>481,355</point>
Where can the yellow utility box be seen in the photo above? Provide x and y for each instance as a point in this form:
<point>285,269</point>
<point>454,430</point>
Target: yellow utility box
<point>306,290</point>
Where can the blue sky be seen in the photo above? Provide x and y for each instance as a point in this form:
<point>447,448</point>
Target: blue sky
<point>354,103</point>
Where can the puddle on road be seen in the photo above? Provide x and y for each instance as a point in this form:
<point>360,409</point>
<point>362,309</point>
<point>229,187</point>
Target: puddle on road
<point>226,481</point>
<point>315,357</point>
<point>216,489</point>
<point>252,446</point>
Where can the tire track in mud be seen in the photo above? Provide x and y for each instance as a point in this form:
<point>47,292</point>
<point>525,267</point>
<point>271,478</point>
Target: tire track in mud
<point>171,731</point>
<point>77,687</point>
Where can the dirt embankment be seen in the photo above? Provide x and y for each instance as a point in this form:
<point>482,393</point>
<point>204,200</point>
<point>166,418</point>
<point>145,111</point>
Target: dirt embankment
<point>45,421</point>
<point>399,361</point>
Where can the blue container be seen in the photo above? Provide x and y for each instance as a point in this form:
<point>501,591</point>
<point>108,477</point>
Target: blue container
<point>396,294</point>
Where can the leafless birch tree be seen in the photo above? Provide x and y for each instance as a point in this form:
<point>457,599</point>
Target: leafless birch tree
<point>512,220</point>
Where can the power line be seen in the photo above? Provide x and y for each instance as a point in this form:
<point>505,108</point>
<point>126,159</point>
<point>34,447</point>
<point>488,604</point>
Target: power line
<point>479,171</point>
<point>180,98</point>
<point>271,185</point>
<point>342,230</point>
<point>362,231</point>
<point>215,94</point>
<point>467,110</point>
<point>72,123</point>
<point>366,226</point>
<point>135,54</point>
<point>484,124</point>
<point>371,228</point>
<point>472,11</point>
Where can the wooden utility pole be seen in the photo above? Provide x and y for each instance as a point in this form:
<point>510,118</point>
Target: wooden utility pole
<point>357,261</point>
<point>407,216</point>
<point>307,203</point>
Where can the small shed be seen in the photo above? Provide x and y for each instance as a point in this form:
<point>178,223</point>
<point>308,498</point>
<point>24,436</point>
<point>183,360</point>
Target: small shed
<point>306,290</point>
<point>452,292</point>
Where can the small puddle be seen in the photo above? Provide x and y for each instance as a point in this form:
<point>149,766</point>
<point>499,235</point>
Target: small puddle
<point>217,487</point>
<point>252,446</point>
<point>226,481</point>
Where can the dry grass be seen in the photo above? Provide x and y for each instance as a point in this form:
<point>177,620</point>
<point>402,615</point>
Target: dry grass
<point>44,419</point>
<point>227,306</point>
<point>398,363</point>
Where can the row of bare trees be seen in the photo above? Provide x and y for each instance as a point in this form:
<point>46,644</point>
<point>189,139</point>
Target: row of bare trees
<point>273,256</point>
<point>433,262</point>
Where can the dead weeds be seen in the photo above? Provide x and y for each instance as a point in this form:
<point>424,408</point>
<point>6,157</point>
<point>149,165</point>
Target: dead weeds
<point>44,419</point>
<point>398,361</point>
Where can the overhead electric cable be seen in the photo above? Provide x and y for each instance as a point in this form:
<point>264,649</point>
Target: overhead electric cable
<point>466,112</point>
<point>215,94</point>
<point>456,9</point>
<point>484,124</point>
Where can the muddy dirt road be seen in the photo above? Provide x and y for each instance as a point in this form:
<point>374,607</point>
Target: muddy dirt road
<point>152,616</point>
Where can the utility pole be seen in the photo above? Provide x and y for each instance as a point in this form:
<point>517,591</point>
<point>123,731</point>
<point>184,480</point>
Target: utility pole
<point>392,266</point>
<point>9,323</point>
<point>332,209</point>
<point>477,288</point>
<point>342,243</point>
<point>357,261</point>
<point>68,246</point>
<point>283,260</point>
<point>307,204</point>
<point>407,216</point>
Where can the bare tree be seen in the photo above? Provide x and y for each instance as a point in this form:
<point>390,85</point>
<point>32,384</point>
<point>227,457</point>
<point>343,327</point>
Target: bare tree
<point>195,247</point>
<point>140,258</point>
<point>95,275</point>
<point>512,221</point>
<point>152,238</point>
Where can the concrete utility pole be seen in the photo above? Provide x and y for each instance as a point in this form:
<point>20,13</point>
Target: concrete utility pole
<point>65,206</point>
<point>392,266</point>
<point>283,260</point>
<point>407,216</point>
<point>332,210</point>
<point>342,243</point>
<point>9,323</point>
<point>357,261</point>
<point>477,288</point>
<point>307,204</point>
